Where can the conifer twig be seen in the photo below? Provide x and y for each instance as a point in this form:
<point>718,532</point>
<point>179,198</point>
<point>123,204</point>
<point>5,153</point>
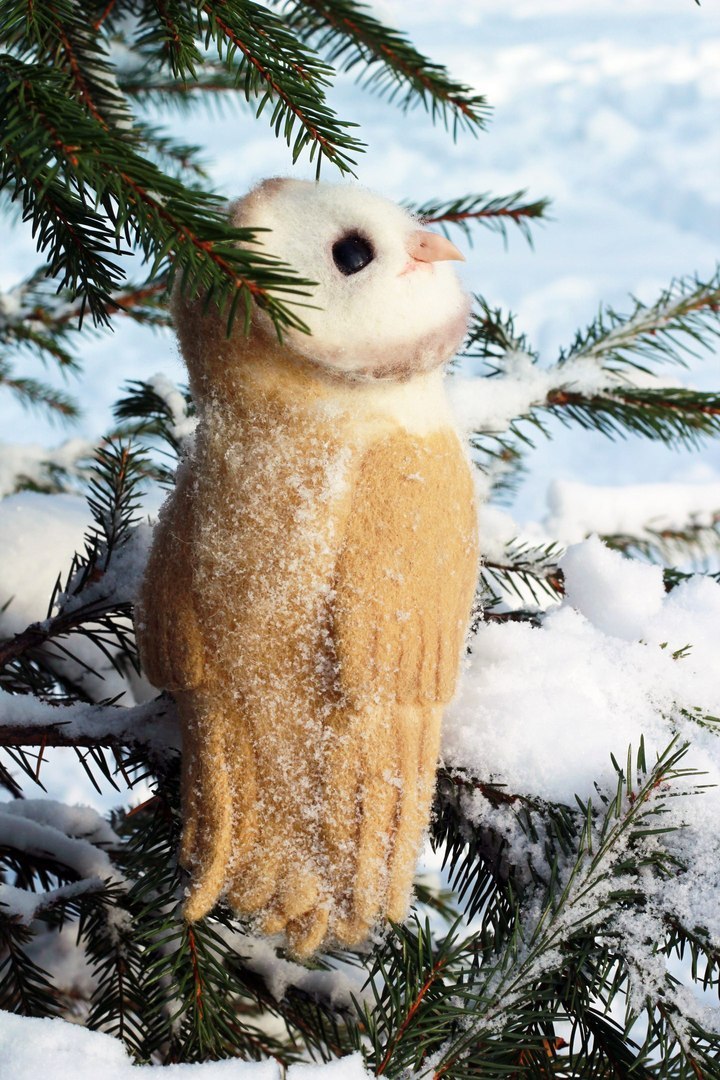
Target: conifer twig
<point>153,724</point>
<point>390,65</point>
<point>494,212</point>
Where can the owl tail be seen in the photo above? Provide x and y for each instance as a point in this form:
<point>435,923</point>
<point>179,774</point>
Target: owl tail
<point>207,810</point>
<point>374,841</point>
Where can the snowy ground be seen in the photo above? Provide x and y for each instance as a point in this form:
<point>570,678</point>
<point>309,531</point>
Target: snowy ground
<point>612,112</point>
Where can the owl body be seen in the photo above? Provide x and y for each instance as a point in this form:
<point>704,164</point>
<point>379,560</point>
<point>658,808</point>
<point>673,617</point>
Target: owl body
<point>306,600</point>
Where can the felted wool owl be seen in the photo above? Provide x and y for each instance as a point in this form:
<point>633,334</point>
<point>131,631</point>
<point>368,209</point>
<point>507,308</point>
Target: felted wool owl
<point>311,576</point>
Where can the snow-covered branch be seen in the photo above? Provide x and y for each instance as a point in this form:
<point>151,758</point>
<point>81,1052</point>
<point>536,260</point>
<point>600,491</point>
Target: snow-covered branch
<point>24,721</point>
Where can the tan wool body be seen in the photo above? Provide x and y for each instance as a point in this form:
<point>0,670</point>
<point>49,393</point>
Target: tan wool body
<point>306,601</point>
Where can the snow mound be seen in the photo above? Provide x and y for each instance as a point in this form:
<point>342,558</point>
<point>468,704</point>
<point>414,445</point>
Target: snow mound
<point>29,1044</point>
<point>540,710</point>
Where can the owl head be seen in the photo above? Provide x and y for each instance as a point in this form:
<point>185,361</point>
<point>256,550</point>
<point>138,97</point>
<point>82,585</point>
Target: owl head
<point>386,304</point>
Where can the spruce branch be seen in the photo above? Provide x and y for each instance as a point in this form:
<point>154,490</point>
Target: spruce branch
<point>697,539</point>
<point>674,416</point>
<point>529,572</point>
<point>105,931</point>
<point>237,45</point>
<point>25,987</point>
<point>32,393</point>
<point>58,34</point>
<point>179,159</point>
<point>683,319</point>
<point>192,1006</point>
<point>276,68</point>
<point>37,317</point>
<point>156,410</point>
<point>592,384</point>
<point>91,607</point>
<point>180,230</point>
<point>492,335</point>
<point>494,212</point>
<point>388,63</point>
<point>673,577</point>
<point>152,725</point>
<point>570,932</point>
<point>501,458</point>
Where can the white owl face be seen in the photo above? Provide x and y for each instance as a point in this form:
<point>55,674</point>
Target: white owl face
<point>387,302</point>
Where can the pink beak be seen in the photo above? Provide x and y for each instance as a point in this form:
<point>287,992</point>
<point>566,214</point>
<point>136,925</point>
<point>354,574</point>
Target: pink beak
<point>429,247</point>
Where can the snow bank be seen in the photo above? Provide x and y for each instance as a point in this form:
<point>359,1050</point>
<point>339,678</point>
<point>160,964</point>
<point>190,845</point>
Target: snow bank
<point>347,1068</point>
<point>29,1047</point>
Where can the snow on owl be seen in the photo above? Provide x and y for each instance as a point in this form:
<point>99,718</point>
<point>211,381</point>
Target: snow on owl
<point>311,576</point>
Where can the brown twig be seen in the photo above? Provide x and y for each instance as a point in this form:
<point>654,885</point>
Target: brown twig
<point>432,977</point>
<point>324,143</point>
<point>393,58</point>
<point>151,725</point>
<point>99,21</point>
<point>516,214</point>
<point>567,397</point>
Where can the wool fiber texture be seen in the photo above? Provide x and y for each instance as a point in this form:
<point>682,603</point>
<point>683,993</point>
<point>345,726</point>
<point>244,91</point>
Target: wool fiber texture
<point>310,580</point>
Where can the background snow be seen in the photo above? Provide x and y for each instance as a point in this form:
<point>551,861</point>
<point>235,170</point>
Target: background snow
<point>612,112</point>
<point>28,1045</point>
<point>38,535</point>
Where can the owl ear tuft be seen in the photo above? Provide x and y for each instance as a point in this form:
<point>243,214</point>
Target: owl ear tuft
<point>238,209</point>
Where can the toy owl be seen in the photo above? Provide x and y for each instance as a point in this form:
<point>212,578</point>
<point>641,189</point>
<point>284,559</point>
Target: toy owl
<point>311,576</point>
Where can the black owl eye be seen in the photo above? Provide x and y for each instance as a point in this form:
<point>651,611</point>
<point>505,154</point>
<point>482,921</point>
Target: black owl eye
<point>352,253</point>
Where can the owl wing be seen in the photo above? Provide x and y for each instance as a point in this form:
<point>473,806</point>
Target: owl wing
<point>168,637</point>
<point>407,570</point>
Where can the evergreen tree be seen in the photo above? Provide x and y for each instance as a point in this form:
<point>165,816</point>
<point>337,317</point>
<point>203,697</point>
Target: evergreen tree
<point>528,964</point>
